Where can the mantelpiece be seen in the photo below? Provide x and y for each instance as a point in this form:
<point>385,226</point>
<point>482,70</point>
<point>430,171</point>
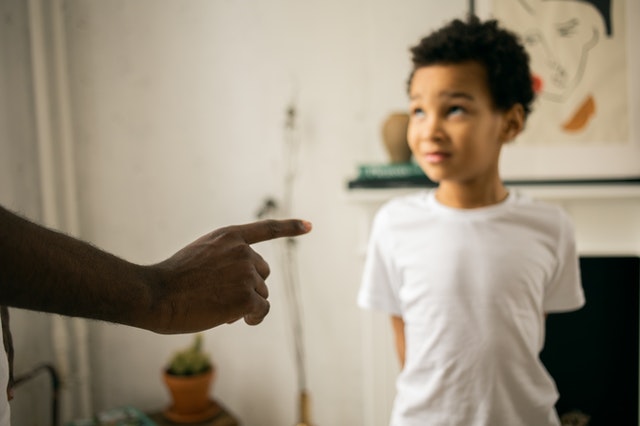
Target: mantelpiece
<point>606,215</point>
<point>553,191</point>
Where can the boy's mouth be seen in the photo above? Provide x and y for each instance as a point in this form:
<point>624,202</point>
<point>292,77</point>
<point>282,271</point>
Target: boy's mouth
<point>436,157</point>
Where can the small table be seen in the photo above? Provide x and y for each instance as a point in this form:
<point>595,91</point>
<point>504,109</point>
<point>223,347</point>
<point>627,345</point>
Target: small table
<point>223,418</point>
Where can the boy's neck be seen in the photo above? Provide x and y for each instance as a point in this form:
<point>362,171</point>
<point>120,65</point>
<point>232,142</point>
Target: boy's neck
<point>471,195</point>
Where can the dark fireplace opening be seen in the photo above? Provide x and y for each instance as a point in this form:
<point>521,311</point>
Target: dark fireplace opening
<point>592,353</point>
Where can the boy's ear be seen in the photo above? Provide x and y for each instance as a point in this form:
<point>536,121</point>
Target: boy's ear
<point>513,123</point>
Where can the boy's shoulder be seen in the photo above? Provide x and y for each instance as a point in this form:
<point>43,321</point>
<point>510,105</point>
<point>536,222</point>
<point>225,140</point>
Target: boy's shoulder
<point>535,206</point>
<point>401,209</point>
<point>540,214</point>
<point>403,203</point>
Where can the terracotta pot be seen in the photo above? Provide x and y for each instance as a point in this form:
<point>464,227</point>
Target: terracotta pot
<point>190,394</point>
<point>394,136</point>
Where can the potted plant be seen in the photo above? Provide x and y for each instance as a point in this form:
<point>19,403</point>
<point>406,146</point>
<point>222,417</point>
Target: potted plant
<point>188,377</point>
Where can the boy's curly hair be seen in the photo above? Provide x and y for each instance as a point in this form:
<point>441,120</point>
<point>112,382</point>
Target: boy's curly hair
<point>498,50</point>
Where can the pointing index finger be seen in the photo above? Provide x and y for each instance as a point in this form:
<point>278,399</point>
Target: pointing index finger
<point>269,229</point>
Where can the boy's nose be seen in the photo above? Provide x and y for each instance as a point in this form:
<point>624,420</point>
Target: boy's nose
<point>430,129</point>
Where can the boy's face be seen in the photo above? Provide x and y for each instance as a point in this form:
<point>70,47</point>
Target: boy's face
<point>455,133</point>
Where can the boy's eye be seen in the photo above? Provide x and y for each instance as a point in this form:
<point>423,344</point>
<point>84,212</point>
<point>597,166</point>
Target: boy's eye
<point>417,112</point>
<point>455,110</point>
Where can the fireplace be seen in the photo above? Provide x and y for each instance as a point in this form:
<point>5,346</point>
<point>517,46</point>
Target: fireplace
<point>593,353</point>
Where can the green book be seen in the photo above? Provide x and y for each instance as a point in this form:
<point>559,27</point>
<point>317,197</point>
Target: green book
<point>389,171</point>
<point>390,175</point>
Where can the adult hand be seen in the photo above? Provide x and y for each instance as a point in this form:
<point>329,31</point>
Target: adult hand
<point>218,278</point>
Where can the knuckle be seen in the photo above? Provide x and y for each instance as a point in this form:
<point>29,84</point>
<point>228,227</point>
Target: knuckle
<point>274,227</point>
<point>244,252</point>
<point>226,233</point>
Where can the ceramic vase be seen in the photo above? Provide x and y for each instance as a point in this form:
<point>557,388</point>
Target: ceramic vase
<point>394,136</point>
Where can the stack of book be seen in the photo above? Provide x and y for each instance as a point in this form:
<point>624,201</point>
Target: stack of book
<point>391,175</point>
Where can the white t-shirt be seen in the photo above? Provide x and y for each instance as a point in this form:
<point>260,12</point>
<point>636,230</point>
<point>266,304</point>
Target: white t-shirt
<point>5,413</point>
<point>472,286</point>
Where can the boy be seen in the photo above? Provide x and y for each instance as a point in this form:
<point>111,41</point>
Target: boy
<point>469,270</point>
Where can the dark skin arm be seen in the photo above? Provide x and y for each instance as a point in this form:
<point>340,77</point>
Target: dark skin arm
<point>214,280</point>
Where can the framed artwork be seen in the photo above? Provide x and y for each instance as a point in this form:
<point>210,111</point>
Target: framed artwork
<point>585,123</point>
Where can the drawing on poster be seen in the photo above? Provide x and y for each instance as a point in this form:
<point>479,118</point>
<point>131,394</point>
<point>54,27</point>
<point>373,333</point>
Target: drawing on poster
<point>578,51</point>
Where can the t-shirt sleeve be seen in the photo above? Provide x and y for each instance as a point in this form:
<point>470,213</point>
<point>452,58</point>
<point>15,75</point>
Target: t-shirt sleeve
<point>564,292</point>
<point>378,289</point>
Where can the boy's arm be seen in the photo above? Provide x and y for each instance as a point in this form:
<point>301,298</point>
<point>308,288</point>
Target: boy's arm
<point>214,280</point>
<point>398,330</point>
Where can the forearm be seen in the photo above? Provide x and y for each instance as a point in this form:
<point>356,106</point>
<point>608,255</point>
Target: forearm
<point>44,270</point>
